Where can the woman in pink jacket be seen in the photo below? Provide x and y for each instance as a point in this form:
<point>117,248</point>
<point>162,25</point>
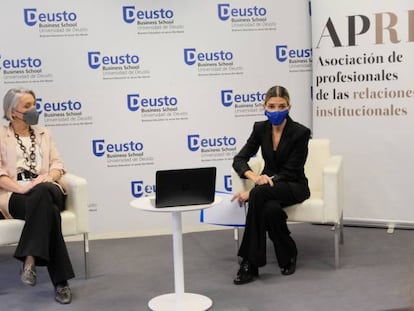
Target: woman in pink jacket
<point>30,172</point>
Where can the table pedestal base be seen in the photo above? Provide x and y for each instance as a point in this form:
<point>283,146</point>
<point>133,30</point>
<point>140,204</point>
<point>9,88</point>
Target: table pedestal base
<point>188,302</point>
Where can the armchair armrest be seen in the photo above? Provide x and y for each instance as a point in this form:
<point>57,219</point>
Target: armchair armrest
<point>77,200</point>
<point>332,188</point>
<point>237,183</point>
<point>242,184</point>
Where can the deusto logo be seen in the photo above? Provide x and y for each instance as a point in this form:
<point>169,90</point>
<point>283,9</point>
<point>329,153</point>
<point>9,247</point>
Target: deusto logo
<point>135,101</point>
<point>32,17</point>
<point>21,63</point>
<point>283,53</point>
<point>95,59</point>
<point>100,147</point>
<point>228,97</point>
<point>69,105</point>
<point>191,56</point>
<point>225,11</point>
<point>228,185</point>
<point>195,142</point>
<point>129,14</point>
<point>139,189</point>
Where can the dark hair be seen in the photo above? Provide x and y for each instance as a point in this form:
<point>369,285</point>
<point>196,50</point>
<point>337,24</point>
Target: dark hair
<point>277,91</point>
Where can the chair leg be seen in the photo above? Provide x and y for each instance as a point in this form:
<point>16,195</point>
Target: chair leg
<point>337,237</point>
<point>236,239</point>
<point>341,228</point>
<point>86,253</point>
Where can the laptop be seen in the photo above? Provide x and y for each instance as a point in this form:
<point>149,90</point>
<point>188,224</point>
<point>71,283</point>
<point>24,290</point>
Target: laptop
<point>183,187</point>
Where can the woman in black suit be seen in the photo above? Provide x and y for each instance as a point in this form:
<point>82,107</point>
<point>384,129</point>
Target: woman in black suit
<point>284,147</point>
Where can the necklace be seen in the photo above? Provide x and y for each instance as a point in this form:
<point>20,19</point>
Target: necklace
<point>29,158</point>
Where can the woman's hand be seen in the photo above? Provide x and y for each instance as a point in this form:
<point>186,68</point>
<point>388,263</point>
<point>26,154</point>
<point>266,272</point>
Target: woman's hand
<point>264,179</point>
<point>43,178</point>
<point>259,179</point>
<point>241,197</point>
<point>26,187</point>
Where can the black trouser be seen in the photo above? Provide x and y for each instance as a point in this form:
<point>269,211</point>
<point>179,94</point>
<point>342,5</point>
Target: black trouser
<point>42,233</point>
<point>265,213</point>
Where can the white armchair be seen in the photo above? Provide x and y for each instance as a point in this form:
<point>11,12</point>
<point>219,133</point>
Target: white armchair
<point>75,218</point>
<point>325,175</point>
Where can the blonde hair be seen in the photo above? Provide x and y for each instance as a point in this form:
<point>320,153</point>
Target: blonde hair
<point>277,91</point>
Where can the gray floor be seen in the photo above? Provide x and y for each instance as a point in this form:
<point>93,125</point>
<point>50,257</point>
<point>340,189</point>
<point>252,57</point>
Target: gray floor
<point>376,273</point>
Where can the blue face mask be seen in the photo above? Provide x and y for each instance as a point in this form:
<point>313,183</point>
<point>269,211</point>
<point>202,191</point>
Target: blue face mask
<point>276,117</point>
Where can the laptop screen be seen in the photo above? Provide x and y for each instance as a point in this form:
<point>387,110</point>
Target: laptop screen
<point>183,187</point>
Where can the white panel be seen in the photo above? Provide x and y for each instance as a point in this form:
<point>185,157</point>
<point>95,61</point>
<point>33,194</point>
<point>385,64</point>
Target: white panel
<point>369,121</point>
<point>144,60</point>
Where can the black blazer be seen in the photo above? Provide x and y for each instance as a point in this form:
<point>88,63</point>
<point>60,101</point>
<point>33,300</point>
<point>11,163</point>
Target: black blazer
<point>287,162</point>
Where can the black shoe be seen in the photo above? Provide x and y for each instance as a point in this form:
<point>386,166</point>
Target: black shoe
<point>63,294</point>
<point>247,273</point>
<point>290,268</point>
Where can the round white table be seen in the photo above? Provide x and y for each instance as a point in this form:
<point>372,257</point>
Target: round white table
<point>179,300</point>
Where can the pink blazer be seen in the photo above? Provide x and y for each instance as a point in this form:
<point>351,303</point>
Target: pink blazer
<point>50,158</point>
